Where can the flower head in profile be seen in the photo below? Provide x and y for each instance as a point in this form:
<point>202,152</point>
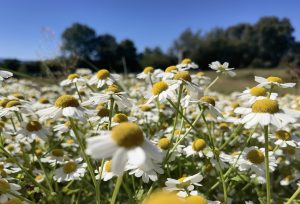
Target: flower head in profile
<point>184,184</point>
<point>222,68</point>
<point>267,112</point>
<point>272,81</point>
<point>162,91</point>
<point>149,73</point>
<point>65,105</point>
<point>186,64</point>
<point>72,79</point>
<point>126,143</point>
<point>103,77</point>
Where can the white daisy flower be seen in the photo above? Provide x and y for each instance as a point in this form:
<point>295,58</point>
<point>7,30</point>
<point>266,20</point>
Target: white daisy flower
<point>125,143</point>
<point>272,81</point>
<point>42,103</point>
<point>71,170</point>
<point>183,185</point>
<point>120,118</point>
<point>65,105</point>
<point>5,75</point>
<point>267,112</point>
<point>187,64</point>
<point>162,91</point>
<point>200,79</point>
<point>55,156</point>
<point>112,92</point>
<point>73,79</point>
<point>184,77</point>
<point>168,73</point>
<point>102,77</point>
<point>255,93</point>
<point>30,131</point>
<point>209,103</point>
<point>253,158</point>
<point>13,106</point>
<point>222,68</point>
<point>198,147</point>
<point>149,72</point>
<point>107,174</point>
<point>284,138</point>
<point>12,187</point>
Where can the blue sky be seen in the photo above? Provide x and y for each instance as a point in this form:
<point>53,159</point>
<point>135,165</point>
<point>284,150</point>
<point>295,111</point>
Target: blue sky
<point>31,29</point>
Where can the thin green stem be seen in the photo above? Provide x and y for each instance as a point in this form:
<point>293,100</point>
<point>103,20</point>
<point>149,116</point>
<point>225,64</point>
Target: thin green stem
<point>116,190</point>
<point>268,182</point>
<point>294,196</point>
<point>87,160</point>
<point>211,84</point>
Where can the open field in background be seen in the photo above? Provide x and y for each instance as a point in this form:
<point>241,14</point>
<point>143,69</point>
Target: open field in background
<point>245,78</point>
<point>225,84</point>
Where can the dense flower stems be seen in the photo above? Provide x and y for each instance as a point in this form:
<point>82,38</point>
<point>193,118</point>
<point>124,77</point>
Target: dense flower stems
<point>294,196</point>
<point>267,171</point>
<point>16,195</point>
<point>87,160</point>
<point>116,190</point>
<point>219,169</point>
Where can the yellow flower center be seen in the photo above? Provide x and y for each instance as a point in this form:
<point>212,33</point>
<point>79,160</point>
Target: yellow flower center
<point>108,166</point>
<point>120,118</point>
<point>200,74</point>
<point>70,141</point>
<point>163,198</point>
<point>39,177</point>
<point>170,69</point>
<point>148,70</point>
<point>159,87</point>
<point>33,126</point>
<point>274,79</point>
<point>3,102</point>
<point>102,111</point>
<point>196,200</point>
<point>258,91</point>
<point>183,184</point>
<point>57,152</point>
<point>69,167</point>
<point>103,74</point>
<point>186,61</point>
<point>14,201</point>
<point>198,145</point>
<point>256,156</point>
<point>145,108</point>
<point>224,126</point>
<point>127,135</point>
<point>265,106</point>
<point>235,105</point>
<point>164,143</point>
<point>66,101</point>
<point>12,103</point>
<point>43,100</point>
<point>39,152</point>
<point>18,95</point>
<point>283,135</point>
<point>4,184</point>
<point>208,99</point>
<point>113,88</point>
<point>185,75</point>
<point>73,76</point>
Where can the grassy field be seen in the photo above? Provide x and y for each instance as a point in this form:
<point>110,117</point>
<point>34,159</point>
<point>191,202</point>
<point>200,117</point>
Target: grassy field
<point>245,78</point>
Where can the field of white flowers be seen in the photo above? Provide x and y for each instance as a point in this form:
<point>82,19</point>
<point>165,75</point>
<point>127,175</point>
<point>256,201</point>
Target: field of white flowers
<point>158,137</point>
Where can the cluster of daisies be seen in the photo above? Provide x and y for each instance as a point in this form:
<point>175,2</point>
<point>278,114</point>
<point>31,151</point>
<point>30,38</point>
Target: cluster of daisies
<point>156,137</point>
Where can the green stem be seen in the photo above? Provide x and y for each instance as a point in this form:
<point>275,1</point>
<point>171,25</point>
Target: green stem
<point>216,154</point>
<point>293,196</point>
<point>268,183</point>
<point>116,190</point>
<point>211,84</point>
<point>87,160</point>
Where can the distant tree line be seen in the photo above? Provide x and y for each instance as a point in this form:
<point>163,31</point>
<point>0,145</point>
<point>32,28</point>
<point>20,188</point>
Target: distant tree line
<point>267,43</point>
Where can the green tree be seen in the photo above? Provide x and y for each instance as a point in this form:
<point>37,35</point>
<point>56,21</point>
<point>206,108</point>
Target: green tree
<point>78,40</point>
